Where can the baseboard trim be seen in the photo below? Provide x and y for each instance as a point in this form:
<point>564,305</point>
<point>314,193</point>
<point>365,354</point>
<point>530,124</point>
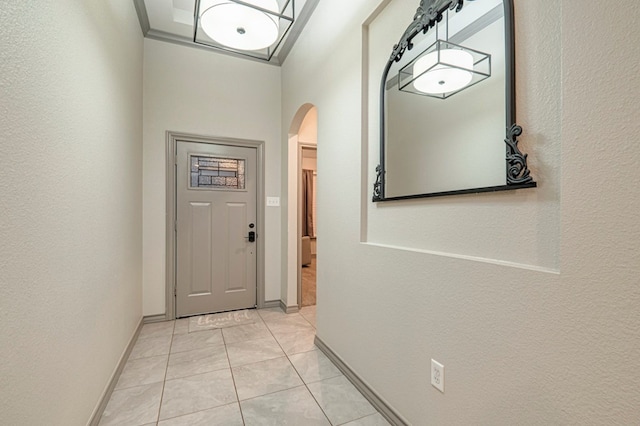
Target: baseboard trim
<point>376,400</point>
<point>106,395</point>
<point>289,309</point>
<point>271,304</point>
<point>148,319</point>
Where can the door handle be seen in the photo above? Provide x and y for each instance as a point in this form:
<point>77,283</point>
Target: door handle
<point>252,236</point>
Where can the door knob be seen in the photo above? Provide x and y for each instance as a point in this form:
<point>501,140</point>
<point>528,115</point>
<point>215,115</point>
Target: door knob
<point>252,236</point>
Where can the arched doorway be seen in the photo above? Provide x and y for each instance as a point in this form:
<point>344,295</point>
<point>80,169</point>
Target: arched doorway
<point>302,229</point>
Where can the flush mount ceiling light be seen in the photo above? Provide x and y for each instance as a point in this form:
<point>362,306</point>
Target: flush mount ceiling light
<point>444,69</point>
<point>241,27</point>
<point>250,27</point>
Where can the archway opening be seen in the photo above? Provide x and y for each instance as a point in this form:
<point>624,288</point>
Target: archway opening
<point>302,222</point>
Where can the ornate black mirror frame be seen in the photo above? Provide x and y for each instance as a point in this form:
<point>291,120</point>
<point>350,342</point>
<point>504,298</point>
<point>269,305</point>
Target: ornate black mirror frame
<point>517,173</point>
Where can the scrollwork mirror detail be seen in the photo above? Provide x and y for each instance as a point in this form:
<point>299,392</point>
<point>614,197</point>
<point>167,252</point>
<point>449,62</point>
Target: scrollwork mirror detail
<point>430,14</point>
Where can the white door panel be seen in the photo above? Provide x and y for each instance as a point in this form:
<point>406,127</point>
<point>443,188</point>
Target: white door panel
<point>216,210</point>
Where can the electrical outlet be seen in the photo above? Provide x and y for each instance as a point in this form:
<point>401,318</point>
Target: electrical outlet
<point>437,375</point>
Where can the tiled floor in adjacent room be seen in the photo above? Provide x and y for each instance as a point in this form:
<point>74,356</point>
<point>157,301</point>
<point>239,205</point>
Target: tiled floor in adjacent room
<point>260,368</point>
<point>309,283</point>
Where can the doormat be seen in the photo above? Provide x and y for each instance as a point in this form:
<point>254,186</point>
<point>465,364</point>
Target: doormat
<point>222,320</point>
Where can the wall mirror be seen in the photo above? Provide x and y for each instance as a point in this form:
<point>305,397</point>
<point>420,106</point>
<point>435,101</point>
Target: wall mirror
<point>447,104</point>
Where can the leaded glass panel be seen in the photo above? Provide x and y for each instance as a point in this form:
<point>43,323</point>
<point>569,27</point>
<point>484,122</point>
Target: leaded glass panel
<point>217,173</point>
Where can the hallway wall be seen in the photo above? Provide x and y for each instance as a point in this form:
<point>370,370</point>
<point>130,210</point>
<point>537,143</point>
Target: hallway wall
<point>70,204</point>
<point>528,298</point>
<point>195,91</point>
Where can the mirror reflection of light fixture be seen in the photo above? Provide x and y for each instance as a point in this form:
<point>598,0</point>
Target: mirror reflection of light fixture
<point>444,69</point>
<point>428,128</point>
<point>432,76</point>
<point>250,27</point>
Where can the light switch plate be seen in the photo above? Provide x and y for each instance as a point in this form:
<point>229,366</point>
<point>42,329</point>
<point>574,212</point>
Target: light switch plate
<point>437,375</point>
<point>273,201</point>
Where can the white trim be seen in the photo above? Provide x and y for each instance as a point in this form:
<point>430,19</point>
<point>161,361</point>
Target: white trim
<point>272,304</point>
<point>372,396</point>
<point>289,309</point>
<point>148,319</point>
<point>498,262</point>
<point>108,390</point>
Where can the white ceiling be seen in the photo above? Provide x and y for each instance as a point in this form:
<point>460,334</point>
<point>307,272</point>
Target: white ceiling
<point>173,21</point>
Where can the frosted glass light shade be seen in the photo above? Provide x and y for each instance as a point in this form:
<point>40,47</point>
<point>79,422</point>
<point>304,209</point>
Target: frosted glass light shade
<point>442,73</point>
<point>241,27</point>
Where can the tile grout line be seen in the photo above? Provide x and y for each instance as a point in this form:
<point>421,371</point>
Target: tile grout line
<point>307,319</point>
<point>192,375</point>
<point>359,418</point>
<point>298,373</point>
<point>197,349</point>
<point>230,370</point>
<point>233,379</point>
<point>306,385</point>
<point>273,393</point>
<point>196,374</point>
<point>143,384</point>
<point>166,369</point>
<point>318,381</point>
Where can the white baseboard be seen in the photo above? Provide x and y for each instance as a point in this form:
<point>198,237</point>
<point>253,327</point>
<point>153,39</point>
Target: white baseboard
<point>289,309</point>
<point>148,319</point>
<point>376,400</point>
<point>271,304</point>
<point>106,395</point>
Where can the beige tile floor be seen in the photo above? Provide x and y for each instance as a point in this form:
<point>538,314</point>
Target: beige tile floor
<point>309,283</point>
<point>260,368</point>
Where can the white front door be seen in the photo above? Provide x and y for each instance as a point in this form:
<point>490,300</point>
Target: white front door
<point>216,228</point>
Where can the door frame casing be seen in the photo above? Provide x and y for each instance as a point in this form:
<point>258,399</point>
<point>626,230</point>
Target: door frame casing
<point>172,139</point>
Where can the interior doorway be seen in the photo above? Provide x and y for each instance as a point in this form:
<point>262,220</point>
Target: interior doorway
<point>308,230</point>
<point>302,253</point>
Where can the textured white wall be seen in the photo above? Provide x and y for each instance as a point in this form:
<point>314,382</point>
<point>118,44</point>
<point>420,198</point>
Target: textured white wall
<point>195,91</point>
<point>308,132</point>
<point>529,298</point>
<point>70,204</point>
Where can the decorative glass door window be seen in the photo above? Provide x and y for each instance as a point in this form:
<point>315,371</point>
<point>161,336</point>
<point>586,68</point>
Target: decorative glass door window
<point>216,172</point>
